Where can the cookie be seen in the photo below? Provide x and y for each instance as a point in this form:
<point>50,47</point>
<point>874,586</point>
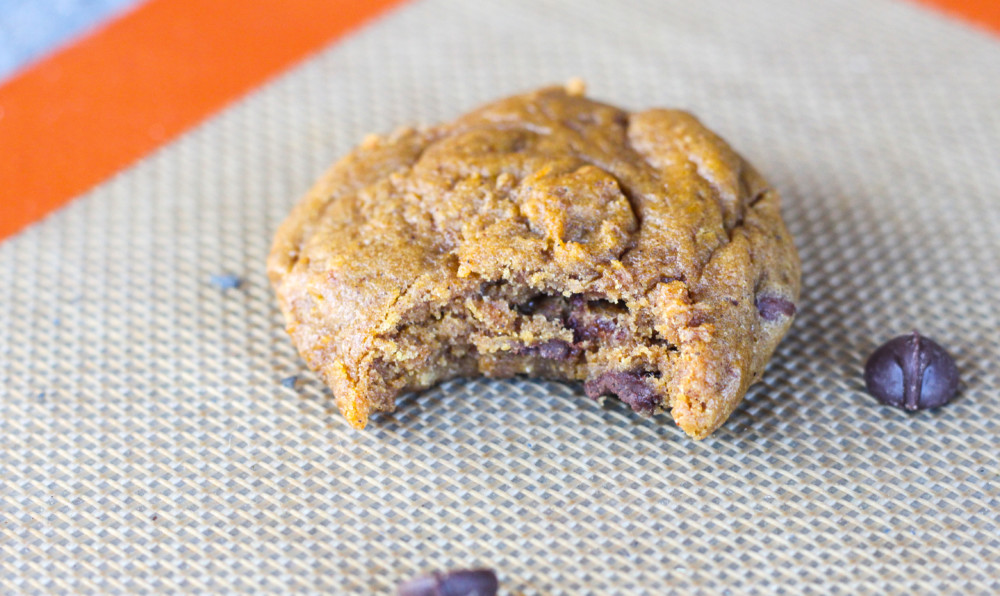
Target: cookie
<point>546,235</point>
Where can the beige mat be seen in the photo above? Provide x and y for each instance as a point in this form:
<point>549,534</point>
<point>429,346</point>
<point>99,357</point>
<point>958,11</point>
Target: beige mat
<point>146,443</point>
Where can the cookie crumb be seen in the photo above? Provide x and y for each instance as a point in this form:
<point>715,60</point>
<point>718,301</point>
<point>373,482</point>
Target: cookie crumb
<point>371,141</point>
<point>226,281</point>
<point>576,87</point>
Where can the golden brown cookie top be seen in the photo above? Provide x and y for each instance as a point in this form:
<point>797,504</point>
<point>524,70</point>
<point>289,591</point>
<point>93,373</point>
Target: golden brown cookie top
<point>560,194</point>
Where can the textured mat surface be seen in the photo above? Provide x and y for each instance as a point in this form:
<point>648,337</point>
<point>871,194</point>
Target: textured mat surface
<point>146,441</point>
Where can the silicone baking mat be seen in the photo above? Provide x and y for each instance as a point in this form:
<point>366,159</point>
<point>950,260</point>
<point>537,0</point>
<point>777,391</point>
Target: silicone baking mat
<point>148,444</point>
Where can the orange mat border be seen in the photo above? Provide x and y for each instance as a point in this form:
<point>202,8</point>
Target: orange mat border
<point>984,13</point>
<point>89,110</point>
<point>75,118</point>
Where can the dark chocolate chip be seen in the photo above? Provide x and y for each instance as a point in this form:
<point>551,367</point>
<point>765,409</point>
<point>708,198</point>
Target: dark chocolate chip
<point>591,328</point>
<point>596,320</point>
<point>911,372</point>
<point>773,308</point>
<point>472,582</point>
<point>630,387</point>
<point>554,349</point>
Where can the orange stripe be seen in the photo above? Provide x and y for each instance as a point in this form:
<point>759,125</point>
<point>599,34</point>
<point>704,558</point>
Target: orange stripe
<point>86,112</point>
<point>985,13</point>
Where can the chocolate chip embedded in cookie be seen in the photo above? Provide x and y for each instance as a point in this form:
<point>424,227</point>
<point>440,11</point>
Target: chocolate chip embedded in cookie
<point>545,234</point>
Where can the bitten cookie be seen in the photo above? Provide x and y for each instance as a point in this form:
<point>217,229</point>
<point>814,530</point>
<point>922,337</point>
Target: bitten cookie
<point>547,235</point>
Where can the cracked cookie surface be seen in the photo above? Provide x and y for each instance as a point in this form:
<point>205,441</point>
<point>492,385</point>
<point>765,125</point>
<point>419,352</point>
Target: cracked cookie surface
<point>549,235</point>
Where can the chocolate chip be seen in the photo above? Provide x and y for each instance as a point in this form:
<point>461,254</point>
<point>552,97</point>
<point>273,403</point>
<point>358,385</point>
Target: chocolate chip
<point>773,308</point>
<point>591,328</point>
<point>596,320</point>
<point>911,372</point>
<point>472,582</point>
<point>630,387</point>
<point>554,349</point>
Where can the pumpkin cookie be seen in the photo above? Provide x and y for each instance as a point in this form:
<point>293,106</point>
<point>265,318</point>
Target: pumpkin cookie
<point>547,235</point>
